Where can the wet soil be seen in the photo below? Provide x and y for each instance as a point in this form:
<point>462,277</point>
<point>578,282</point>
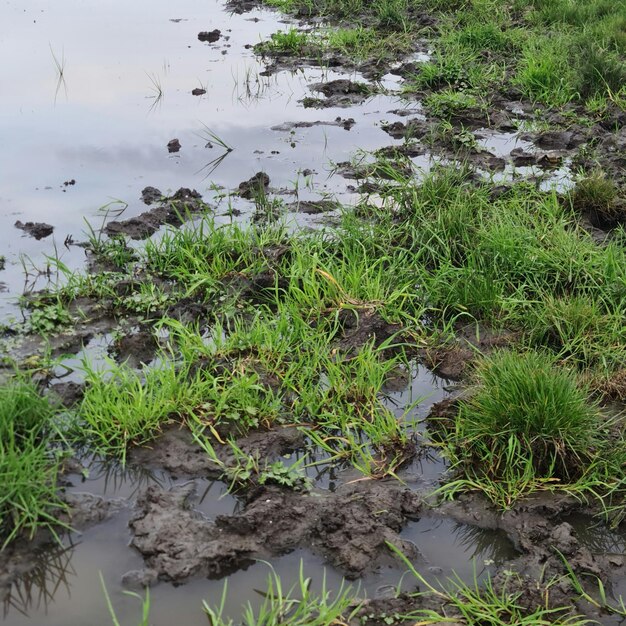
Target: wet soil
<point>38,230</point>
<point>172,210</point>
<point>349,528</point>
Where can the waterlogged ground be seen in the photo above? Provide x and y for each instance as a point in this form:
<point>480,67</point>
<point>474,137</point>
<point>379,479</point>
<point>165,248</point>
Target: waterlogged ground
<point>101,103</point>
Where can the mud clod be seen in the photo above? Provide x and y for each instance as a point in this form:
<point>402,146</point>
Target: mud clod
<point>150,195</point>
<point>210,36</point>
<point>38,230</point>
<point>183,202</point>
<point>255,186</point>
<point>350,528</point>
<point>173,145</point>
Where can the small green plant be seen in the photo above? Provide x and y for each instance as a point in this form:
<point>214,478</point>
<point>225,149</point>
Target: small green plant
<point>28,464</point>
<point>246,470</point>
<point>47,317</point>
<point>296,606</point>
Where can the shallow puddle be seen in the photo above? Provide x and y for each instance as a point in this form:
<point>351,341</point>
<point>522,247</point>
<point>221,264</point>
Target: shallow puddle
<point>452,550</point>
<point>125,92</point>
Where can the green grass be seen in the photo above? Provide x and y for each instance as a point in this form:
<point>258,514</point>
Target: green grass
<point>272,346</point>
<point>553,52</point>
<point>297,605</point>
<point>121,407</point>
<point>486,603</point>
<point>528,424</point>
<point>28,465</point>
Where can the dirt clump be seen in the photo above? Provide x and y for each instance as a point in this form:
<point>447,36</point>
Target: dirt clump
<point>150,195</point>
<point>451,361</point>
<point>359,329</point>
<point>173,145</point>
<point>171,211</point>
<point>210,36</point>
<point>38,230</point>
<point>135,348</point>
<point>68,394</point>
<point>255,186</point>
<point>339,93</point>
<point>176,451</point>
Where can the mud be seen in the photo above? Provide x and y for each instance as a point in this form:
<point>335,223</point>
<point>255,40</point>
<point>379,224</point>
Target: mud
<point>38,230</point>
<point>340,93</point>
<point>135,348</point>
<point>173,145</point>
<point>210,36</point>
<point>172,211</point>
<point>349,528</point>
<point>453,361</point>
<point>254,187</point>
<point>349,524</point>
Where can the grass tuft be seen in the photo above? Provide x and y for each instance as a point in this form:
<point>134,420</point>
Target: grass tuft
<point>28,465</point>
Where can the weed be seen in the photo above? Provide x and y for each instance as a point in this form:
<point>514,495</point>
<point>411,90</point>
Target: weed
<point>47,317</point>
<point>121,407</point>
<point>488,604</point>
<point>145,602</point>
<point>246,470</point>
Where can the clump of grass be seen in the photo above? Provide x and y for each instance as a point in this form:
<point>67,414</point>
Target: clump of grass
<point>527,423</point>
<point>291,42</point>
<point>449,103</point>
<point>596,196</point>
<point>28,466</point>
<point>485,603</point>
<point>122,407</point>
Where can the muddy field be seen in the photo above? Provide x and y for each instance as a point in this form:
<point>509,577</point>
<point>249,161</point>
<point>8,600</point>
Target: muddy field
<point>267,271</point>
